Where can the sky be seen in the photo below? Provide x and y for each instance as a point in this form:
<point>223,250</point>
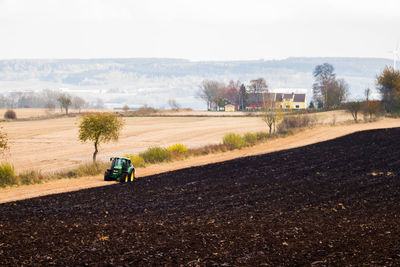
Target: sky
<point>198,30</point>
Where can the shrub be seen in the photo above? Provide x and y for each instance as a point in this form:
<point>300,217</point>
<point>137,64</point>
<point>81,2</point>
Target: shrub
<point>155,155</point>
<point>136,160</point>
<point>250,138</point>
<point>10,114</point>
<point>205,150</point>
<point>178,148</point>
<point>234,141</point>
<point>91,169</point>
<point>7,175</point>
<point>262,136</point>
<point>178,151</point>
<point>30,177</point>
<point>293,122</point>
<point>144,111</point>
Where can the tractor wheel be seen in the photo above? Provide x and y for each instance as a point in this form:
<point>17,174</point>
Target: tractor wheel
<point>131,176</point>
<point>107,176</point>
<point>124,178</point>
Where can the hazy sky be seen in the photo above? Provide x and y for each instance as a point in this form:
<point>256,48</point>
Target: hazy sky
<point>198,30</point>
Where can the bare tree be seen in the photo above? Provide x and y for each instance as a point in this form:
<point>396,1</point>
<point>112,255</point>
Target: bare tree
<point>99,104</point>
<point>50,96</point>
<point>271,115</point>
<point>78,103</point>
<point>125,108</point>
<point>173,104</point>
<point>65,102</point>
<point>231,92</point>
<point>51,106</point>
<point>324,77</point>
<point>258,87</point>
<point>210,91</point>
<point>371,108</point>
<point>336,93</point>
<point>367,93</point>
<point>354,107</point>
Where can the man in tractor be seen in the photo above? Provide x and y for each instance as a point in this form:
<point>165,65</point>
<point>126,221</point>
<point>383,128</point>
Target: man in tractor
<point>121,170</point>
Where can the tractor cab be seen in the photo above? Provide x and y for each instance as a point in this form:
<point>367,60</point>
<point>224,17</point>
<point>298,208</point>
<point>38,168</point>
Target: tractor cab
<point>121,170</point>
<point>120,163</point>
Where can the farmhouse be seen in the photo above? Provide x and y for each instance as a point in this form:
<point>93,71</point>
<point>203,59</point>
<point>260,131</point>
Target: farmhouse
<point>257,101</point>
<point>290,101</point>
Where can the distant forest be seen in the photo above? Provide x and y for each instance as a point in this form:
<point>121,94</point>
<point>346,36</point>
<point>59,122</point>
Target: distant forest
<point>153,81</point>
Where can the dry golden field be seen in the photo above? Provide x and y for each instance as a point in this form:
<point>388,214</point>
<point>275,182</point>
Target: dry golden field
<point>32,113</point>
<point>53,143</point>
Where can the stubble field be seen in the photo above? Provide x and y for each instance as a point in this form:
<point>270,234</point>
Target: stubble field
<point>53,144</point>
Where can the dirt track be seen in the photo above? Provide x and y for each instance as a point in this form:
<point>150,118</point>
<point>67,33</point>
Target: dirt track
<point>318,134</point>
<point>331,203</point>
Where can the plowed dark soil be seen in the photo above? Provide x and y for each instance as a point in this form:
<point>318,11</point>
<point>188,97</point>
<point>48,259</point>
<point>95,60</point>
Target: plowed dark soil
<point>332,203</point>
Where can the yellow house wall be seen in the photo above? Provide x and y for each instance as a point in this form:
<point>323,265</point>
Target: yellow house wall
<point>292,105</point>
<point>302,105</point>
<point>229,108</point>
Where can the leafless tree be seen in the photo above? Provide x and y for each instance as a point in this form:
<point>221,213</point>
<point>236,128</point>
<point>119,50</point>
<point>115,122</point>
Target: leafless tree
<point>271,115</point>
<point>324,77</point>
<point>65,102</point>
<point>259,84</point>
<point>336,93</point>
<point>173,104</point>
<point>258,88</point>
<point>125,108</point>
<point>210,91</point>
<point>99,104</point>
<point>354,107</point>
<point>231,92</point>
<point>367,93</point>
<point>78,103</point>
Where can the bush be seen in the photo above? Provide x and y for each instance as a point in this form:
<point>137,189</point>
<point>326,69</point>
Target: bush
<point>10,114</point>
<point>234,141</point>
<point>155,155</point>
<point>7,175</point>
<point>178,148</point>
<point>88,169</point>
<point>178,151</point>
<point>293,122</point>
<point>205,150</point>
<point>91,169</point>
<point>30,177</point>
<point>136,160</point>
<point>144,111</point>
<point>262,136</point>
<point>250,138</point>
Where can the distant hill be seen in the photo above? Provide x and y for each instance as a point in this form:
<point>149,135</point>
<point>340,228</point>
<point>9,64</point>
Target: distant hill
<point>153,81</point>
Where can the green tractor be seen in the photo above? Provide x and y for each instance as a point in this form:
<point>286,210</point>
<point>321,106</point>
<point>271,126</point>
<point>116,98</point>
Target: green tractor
<point>121,170</point>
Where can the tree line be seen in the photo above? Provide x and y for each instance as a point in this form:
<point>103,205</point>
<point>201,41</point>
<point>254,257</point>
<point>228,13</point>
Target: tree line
<point>331,93</point>
<point>328,91</point>
<point>49,99</point>
<point>235,93</point>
